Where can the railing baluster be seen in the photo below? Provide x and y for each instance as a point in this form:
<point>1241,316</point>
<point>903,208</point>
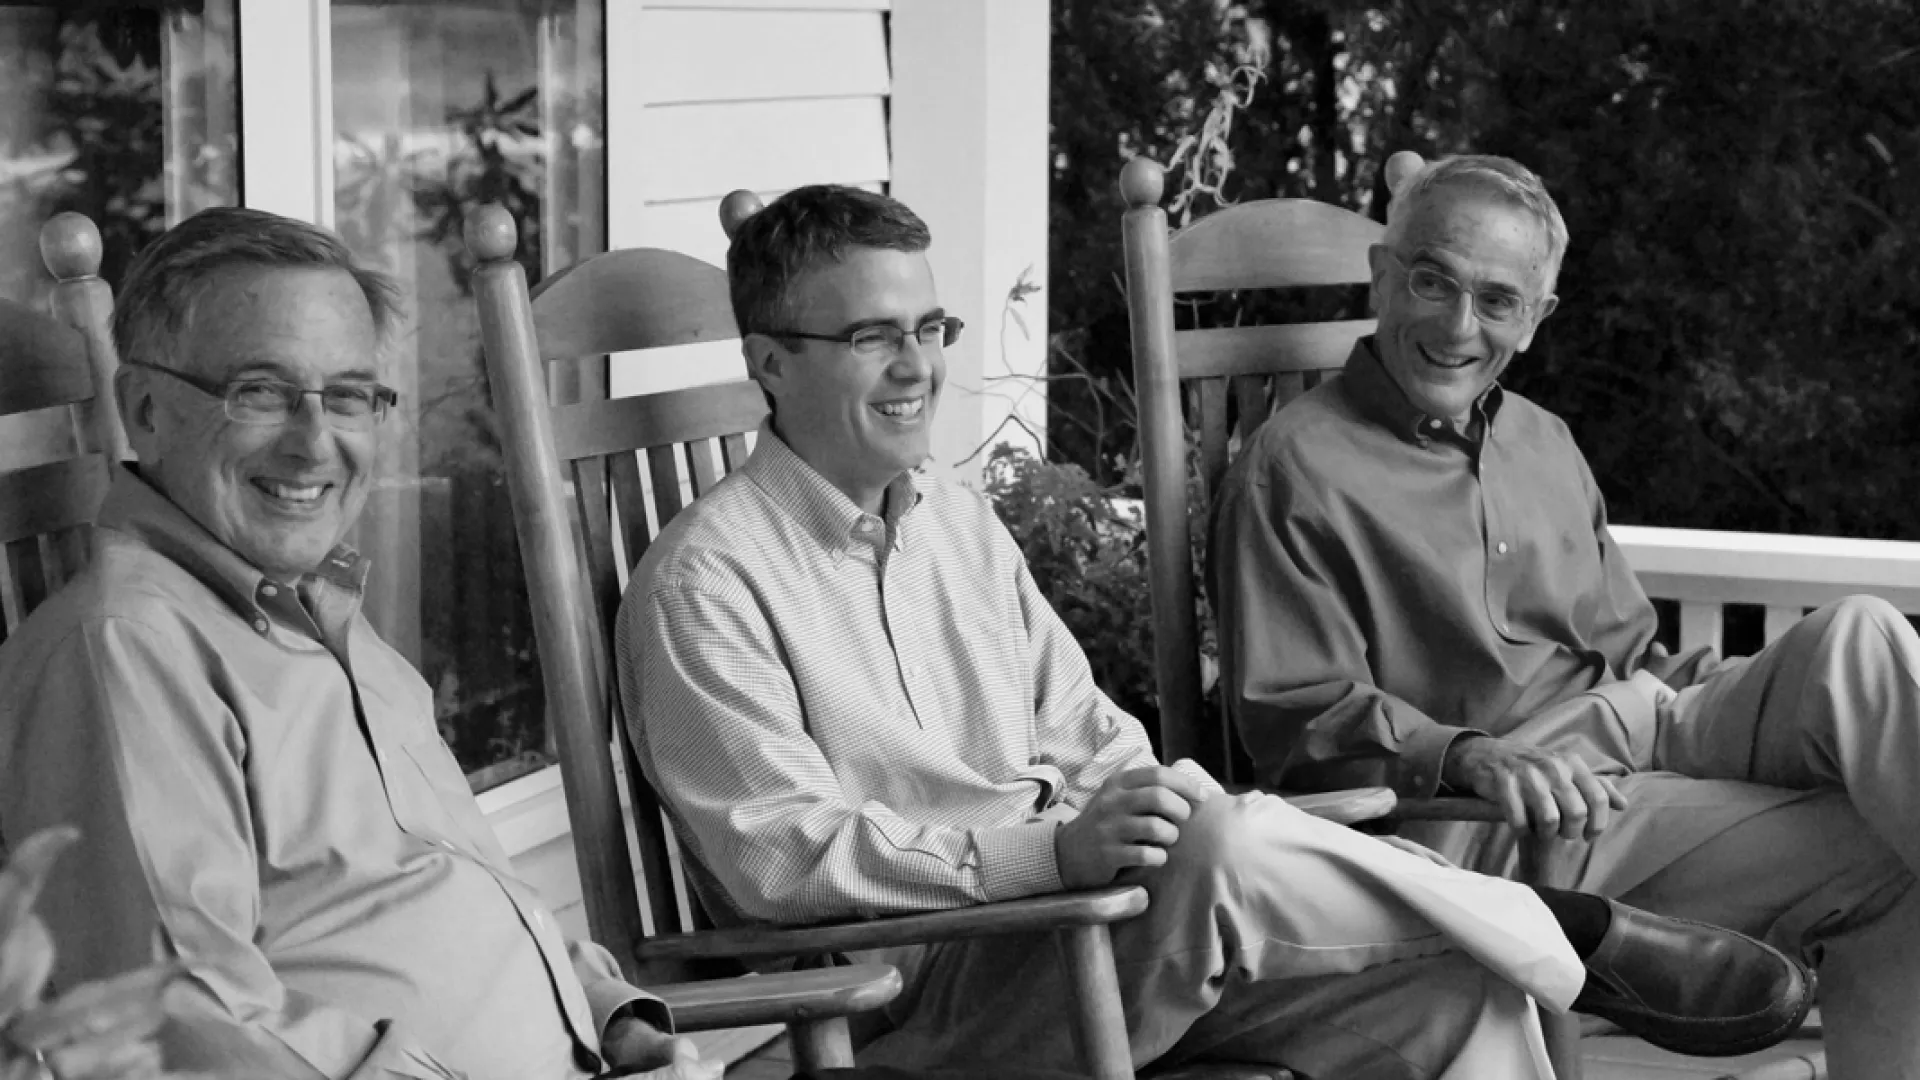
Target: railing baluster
<point>1700,624</point>
<point>1778,620</point>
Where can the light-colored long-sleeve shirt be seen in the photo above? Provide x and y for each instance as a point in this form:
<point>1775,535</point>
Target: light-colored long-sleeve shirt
<point>263,794</point>
<point>1386,583</point>
<point>848,714</point>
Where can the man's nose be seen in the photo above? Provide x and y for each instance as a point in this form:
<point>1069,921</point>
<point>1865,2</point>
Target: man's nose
<point>914,361</point>
<point>306,431</point>
<point>1462,319</point>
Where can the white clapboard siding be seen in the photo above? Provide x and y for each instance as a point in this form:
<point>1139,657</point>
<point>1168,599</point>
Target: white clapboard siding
<point>767,55</point>
<point>773,5</point>
<point>705,97</point>
<point>711,148</point>
<point>692,226</point>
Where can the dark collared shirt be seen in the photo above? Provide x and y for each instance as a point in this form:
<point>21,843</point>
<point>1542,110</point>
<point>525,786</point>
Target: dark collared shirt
<point>1386,581</point>
<point>262,793</point>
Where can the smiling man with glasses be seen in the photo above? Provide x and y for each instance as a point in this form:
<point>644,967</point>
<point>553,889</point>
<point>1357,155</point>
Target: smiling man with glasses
<point>1417,588</point>
<point>263,794</point>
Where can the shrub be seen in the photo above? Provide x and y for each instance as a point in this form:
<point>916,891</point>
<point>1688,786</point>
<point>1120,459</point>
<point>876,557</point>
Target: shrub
<point>1086,546</point>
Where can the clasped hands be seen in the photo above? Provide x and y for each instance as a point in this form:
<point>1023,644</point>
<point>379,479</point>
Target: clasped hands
<point>1130,822</point>
<point>1540,791</point>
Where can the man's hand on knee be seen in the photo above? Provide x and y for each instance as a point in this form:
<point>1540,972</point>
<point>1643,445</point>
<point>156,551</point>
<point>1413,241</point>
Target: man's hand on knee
<point>1539,790</point>
<point>1131,821</point>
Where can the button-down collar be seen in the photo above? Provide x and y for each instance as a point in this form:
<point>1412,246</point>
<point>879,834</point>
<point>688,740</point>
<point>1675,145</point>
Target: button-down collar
<point>825,511</point>
<point>1379,397</point>
<point>332,591</point>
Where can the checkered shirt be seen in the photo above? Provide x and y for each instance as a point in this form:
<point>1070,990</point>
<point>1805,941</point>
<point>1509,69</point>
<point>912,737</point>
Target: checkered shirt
<point>849,715</point>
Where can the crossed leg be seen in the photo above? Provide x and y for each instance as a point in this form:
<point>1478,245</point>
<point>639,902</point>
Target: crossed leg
<point>1271,937</point>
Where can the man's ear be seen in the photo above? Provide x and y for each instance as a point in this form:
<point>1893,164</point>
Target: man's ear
<point>1378,263</point>
<point>133,396</point>
<point>1546,309</point>
<point>768,362</point>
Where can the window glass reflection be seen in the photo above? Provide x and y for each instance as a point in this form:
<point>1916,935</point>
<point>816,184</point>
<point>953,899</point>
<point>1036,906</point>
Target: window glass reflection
<point>125,113</point>
<point>437,109</point>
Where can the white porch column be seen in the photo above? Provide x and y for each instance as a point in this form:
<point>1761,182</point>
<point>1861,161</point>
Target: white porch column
<point>286,108</point>
<point>969,131</point>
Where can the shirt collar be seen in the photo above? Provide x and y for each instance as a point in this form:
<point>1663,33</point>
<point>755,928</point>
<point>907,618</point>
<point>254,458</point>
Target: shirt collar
<point>824,511</point>
<point>137,508</point>
<point>1380,398</point>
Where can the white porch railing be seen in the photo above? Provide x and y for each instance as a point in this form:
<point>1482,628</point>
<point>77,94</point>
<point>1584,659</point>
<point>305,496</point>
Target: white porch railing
<point>1786,575</point>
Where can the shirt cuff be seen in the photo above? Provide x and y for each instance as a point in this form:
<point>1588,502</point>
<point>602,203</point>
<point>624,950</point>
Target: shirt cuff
<point>1017,860</point>
<point>1421,757</point>
<point>610,999</point>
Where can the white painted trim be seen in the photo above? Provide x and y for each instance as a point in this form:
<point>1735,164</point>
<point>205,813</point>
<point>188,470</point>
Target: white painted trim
<point>626,102</point>
<point>1764,568</point>
<point>286,108</point>
<point>1772,556</point>
<point>519,790</point>
<point>527,812</point>
<point>969,131</point>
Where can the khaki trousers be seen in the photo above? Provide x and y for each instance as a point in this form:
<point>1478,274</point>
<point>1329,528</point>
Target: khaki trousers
<point>1780,797</point>
<point>1272,937</point>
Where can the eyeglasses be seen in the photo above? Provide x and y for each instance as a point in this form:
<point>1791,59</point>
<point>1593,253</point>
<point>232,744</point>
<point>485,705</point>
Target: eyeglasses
<point>263,402</point>
<point>1495,308</point>
<point>882,339</point>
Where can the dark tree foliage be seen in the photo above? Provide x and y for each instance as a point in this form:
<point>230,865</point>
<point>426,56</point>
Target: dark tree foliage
<point>1739,328</point>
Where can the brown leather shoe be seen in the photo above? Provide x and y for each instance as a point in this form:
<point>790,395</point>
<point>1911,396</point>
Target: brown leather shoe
<point>1692,988</point>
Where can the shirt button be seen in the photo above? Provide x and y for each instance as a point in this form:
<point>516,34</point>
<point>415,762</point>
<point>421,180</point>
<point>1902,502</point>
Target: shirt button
<point>260,625</point>
<point>1501,547</point>
<point>1436,423</point>
<point>269,590</point>
<point>863,528</point>
<point>916,671</point>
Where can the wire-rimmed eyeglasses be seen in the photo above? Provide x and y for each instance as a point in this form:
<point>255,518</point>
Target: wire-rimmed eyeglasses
<point>262,401</point>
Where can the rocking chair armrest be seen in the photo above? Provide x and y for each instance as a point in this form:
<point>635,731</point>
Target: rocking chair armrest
<point>1028,915</point>
<point>1448,808</point>
<point>779,998</point>
<point>1348,806</point>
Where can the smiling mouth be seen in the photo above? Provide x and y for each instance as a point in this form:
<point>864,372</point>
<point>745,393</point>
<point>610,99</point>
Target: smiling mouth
<point>901,410</point>
<point>292,495</point>
<point>1451,363</point>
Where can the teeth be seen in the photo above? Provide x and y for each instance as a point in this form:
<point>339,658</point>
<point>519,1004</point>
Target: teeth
<point>291,493</point>
<point>901,410</point>
<point>1444,360</point>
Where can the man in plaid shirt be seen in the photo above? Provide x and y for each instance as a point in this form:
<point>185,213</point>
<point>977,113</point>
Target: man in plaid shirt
<point>854,701</point>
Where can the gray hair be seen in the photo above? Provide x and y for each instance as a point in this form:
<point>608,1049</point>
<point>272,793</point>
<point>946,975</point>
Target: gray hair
<point>1503,178</point>
<point>171,275</point>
